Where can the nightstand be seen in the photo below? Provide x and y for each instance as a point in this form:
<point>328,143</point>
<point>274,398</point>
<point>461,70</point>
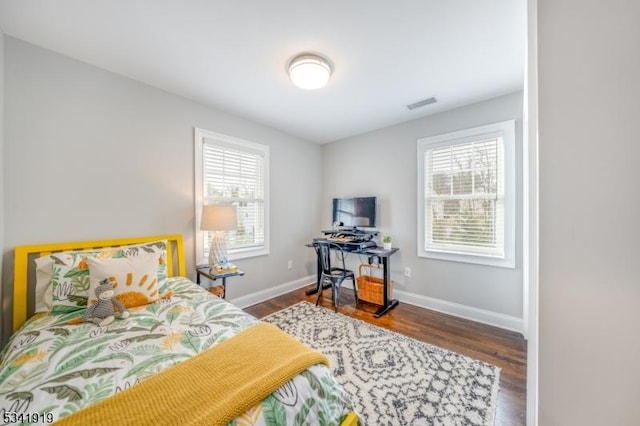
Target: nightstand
<point>207,272</point>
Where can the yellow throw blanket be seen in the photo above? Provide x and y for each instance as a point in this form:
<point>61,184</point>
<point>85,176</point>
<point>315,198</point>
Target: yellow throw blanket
<point>211,388</point>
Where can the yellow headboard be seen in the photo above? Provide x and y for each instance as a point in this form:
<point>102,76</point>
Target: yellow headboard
<point>23,269</point>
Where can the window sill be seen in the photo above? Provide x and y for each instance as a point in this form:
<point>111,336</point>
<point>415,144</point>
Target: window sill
<point>247,253</point>
<point>499,262</point>
<point>241,254</point>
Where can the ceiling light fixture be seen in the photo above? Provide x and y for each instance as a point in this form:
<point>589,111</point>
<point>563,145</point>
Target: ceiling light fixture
<point>309,71</point>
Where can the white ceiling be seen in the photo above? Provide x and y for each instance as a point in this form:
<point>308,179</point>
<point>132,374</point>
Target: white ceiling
<point>233,54</point>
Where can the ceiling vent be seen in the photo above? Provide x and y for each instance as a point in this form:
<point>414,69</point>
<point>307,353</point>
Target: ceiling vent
<point>422,103</point>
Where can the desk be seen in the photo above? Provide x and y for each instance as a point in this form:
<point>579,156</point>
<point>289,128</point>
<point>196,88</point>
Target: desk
<point>371,252</point>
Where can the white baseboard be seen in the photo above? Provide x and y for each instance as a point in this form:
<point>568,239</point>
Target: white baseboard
<point>463,311</point>
<point>507,322</point>
<point>269,293</point>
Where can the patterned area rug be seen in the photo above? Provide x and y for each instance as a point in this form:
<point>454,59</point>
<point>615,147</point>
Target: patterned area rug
<point>393,379</point>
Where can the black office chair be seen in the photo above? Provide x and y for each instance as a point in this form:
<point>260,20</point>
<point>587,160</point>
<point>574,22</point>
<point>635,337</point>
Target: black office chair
<point>332,275</point>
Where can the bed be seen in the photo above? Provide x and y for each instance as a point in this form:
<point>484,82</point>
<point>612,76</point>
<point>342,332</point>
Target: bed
<point>183,354</point>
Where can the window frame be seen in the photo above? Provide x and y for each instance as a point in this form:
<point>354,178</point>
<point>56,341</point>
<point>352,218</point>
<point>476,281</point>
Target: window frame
<point>506,129</point>
<point>200,135</point>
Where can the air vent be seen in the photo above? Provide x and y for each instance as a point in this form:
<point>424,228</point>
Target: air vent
<point>422,103</point>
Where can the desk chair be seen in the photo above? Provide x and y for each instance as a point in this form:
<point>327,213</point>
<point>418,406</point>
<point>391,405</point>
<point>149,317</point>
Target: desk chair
<point>334,275</point>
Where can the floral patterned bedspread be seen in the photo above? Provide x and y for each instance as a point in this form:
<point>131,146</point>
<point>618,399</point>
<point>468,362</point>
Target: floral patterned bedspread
<point>51,369</point>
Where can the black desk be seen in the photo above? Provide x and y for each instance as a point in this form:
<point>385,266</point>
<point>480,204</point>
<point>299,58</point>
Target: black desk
<point>371,252</point>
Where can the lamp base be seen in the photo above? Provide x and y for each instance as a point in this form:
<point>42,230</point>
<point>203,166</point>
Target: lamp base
<point>218,250</point>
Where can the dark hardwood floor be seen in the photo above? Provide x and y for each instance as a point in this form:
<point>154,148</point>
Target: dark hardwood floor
<point>505,349</point>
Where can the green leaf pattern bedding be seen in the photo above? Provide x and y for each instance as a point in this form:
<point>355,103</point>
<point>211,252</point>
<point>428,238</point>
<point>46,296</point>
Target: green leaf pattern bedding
<point>52,367</point>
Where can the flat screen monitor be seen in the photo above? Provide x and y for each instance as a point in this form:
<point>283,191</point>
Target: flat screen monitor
<point>355,212</point>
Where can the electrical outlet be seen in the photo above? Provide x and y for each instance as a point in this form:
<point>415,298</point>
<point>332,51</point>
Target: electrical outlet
<point>407,271</point>
<point>290,264</point>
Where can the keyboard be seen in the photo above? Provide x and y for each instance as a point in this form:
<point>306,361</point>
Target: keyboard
<point>350,241</point>
<point>353,245</point>
<point>342,239</point>
<point>363,244</point>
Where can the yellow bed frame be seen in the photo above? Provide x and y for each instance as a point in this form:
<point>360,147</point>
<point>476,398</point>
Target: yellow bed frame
<point>24,269</point>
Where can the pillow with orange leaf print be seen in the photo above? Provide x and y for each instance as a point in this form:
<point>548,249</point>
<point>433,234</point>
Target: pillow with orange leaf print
<point>134,279</point>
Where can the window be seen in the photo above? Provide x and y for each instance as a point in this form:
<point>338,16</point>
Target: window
<point>233,171</point>
<point>466,195</point>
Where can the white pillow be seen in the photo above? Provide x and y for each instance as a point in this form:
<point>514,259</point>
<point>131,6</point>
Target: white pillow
<point>135,279</point>
<point>44,286</point>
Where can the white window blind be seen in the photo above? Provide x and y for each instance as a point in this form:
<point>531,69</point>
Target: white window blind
<point>464,200</point>
<point>466,195</point>
<point>234,176</point>
<point>234,171</point>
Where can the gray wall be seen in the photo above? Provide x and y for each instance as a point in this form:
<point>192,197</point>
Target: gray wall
<point>90,155</point>
<point>589,338</point>
<point>1,160</point>
<point>383,163</point>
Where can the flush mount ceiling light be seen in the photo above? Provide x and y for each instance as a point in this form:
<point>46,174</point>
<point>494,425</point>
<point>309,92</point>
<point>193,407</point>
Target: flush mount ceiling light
<point>309,71</point>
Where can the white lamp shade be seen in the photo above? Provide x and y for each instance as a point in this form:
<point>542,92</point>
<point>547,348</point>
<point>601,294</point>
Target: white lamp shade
<point>219,218</point>
<point>309,71</point>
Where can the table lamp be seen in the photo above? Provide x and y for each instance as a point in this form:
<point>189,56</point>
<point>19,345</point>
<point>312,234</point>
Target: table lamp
<point>218,218</point>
